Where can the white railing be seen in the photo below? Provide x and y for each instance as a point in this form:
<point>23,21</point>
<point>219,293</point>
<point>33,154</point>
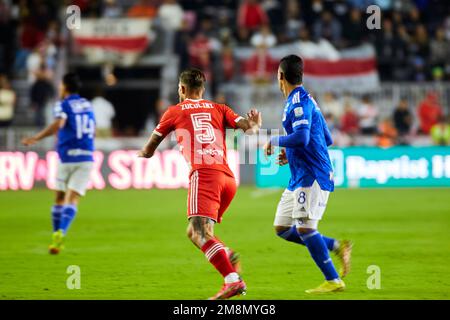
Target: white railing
<point>268,99</point>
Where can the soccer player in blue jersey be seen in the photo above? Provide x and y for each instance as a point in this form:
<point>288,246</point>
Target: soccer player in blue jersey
<point>304,201</point>
<point>75,124</point>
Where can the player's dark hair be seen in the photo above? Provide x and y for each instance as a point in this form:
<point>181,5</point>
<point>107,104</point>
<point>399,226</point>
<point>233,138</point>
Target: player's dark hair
<point>193,79</point>
<point>292,68</point>
<point>72,82</point>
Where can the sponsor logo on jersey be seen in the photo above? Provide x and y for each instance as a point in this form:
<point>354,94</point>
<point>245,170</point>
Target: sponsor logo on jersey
<point>210,152</point>
<point>298,112</point>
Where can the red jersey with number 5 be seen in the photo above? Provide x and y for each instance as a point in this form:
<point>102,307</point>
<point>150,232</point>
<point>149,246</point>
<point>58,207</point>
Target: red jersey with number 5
<point>200,127</point>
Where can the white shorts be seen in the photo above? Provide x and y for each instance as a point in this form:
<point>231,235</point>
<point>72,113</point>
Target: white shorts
<point>74,176</point>
<point>303,207</point>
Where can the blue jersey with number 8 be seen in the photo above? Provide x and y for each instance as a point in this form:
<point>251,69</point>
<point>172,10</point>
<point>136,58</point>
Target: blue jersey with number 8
<point>76,137</point>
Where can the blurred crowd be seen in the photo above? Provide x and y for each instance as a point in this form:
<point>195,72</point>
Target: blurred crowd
<point>413,44</point>
<point>349,118</point>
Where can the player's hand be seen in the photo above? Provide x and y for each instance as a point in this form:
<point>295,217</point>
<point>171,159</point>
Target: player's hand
<point>144,154</point>
<point>255,116</point>
<point>29,141</point>
<point>268,149</point>
<point>282,159</point>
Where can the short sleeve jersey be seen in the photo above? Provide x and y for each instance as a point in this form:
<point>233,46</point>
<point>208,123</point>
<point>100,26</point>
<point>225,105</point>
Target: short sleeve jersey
<point>200,129</point>
<point>76,137</point>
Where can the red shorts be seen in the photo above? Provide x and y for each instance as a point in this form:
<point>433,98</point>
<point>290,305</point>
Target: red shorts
<point>210,193</point>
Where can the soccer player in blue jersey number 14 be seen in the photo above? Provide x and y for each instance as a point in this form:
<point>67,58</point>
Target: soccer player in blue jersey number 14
<point>75,124</point>
<point>304,201</point>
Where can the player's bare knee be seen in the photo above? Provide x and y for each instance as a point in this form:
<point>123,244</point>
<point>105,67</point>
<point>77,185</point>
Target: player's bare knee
<point>279,229</point>
<point>305,230</point>
<point>59,198</point>
<point>72,197</point>
<point>201,230</point>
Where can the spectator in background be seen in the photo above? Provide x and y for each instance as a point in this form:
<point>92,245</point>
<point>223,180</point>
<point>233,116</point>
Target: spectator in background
<point>391,47</point>
<point>412,19</point>
<point>440,132</point>
<point>402,118</point>
<point>30,37</point>
<point>243,36</point>
<point>328,27</point>
<point>111,9</point>
<point>354,28</point>
<point>7,38</point>
<point>200,54</point>
<point>261,66</point>
<point>339,138</point>
<point>387,134</point>
<point>349,120</point>
<point>429,111</point>
<point>332,105</point>
<point>361,4</point>
<point>228,64</point>
<point>264,38</point>
<point>420,46</point>
<point>104,113</point>
<point>440,49</point>
<point>312,10</point>
<point>368,116</point>
<point>294,20</point>
<point>42,91</point>
<point>7,102</point>
<point>43,55</point>
<point>251,15</point>
<point>171,15</point>
<point>331,121</point>
<point>274,12</point>
<point>142,9</point>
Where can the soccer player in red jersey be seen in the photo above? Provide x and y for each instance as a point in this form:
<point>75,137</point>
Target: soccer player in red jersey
<point>199,127</point>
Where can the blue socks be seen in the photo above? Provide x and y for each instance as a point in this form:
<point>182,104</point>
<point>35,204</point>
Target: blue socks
<point>329,242</point>
<point>67,215</point>
<point>319,252</point>
<point>56,217</point>
<point>292,235</point>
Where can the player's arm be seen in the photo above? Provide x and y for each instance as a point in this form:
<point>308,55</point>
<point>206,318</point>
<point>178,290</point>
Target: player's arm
<point>299,138</point>
<point>250,125</point>
<point>164,127</point>
<point>150,147</point>
<point>50,130</point>
<point>296,139</point>
<point>282,158</point>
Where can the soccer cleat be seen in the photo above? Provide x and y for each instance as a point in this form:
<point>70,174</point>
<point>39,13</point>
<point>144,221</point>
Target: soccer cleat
<point>57,242</point>
<point>235,259</point>
<point>328,286</point>
<point>344,253</point>
<point>229,290</point>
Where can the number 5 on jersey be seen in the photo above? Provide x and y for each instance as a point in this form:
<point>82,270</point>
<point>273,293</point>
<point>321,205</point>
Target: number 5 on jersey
<point>202,124</point>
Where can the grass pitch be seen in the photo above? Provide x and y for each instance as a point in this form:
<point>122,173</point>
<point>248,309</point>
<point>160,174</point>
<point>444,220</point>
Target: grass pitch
<point>132,245</point>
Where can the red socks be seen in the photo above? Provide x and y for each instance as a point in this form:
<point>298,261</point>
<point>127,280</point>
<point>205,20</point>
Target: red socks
<point>216,253</point>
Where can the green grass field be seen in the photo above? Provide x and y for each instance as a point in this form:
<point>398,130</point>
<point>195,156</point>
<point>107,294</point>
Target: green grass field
<point>132,245</point>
